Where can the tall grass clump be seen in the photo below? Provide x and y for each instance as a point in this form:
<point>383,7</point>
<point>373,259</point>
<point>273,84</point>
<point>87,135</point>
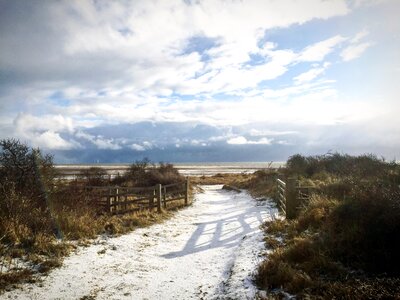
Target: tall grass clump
<point>262,183</point>
<point>344,239</point>
<point>362,230</point>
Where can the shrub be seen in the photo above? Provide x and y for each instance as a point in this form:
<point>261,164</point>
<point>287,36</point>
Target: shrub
<point>363,166</point>
<point>26,170</point>
<point>276,273</point>
<point>348,228</point>
<point>164,174</point>
<point>315,213</point>
<point>145,173</point>
<point>362,230</point>
<point>94,176</point>
<point>20,218</point>
<point>136,174</point>
<point>26,177</point>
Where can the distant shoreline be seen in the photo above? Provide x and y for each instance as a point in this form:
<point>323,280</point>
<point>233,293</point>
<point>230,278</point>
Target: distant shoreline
<point>187,169</point>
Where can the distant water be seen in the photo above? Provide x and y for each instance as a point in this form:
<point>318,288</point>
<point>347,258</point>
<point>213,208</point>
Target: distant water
<point>207,169</point>
<point>186,169</point>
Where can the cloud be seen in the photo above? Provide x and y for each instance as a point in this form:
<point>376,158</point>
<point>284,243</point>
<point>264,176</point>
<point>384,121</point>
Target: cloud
<point>256,132</point>
<point>145,145</point>
<point>354,51</point>
<point>124,46</point>
<point>99,141</point>
<point>53,141</point>
<point>358,3</point>
<point>309,75</point>
<point>318,51</point>
<point>359,36</point>
<point>44,132</point>
<point>240,140</point>
<point>137,147</point>
<point>117,76</point>
<point>27,122</point>
<point>356,48</point>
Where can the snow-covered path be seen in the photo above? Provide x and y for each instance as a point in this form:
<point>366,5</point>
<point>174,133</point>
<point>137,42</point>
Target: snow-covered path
<point>207,251</point>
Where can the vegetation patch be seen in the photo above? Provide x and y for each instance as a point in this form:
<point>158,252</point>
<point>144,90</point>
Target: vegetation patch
<point>343,243</point>
<point>40,215</point>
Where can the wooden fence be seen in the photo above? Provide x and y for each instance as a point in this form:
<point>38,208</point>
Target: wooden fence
<point>291,196</point>
<point>119,200</point>
<point>281,195</point>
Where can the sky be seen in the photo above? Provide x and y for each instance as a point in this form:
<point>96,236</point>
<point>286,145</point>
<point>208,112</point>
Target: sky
<point>200,80</point>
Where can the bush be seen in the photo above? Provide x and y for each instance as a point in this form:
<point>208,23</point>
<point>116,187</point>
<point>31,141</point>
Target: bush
<point>348,229</point>
<point>26,177</point>
<point>342,165</point>
<point>137,172</point>
<point>164,174</point>
<point>144,173</point>
<point>362,230</point>
<point>20,218</point>
<point>94,176</point>
<point>26,170</point>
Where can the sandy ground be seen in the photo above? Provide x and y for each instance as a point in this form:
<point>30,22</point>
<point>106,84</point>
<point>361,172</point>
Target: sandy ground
<point>207,251</point>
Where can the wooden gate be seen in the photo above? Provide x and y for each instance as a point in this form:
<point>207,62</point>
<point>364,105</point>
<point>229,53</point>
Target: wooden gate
<point>119,200</point>
<point>291,196</point>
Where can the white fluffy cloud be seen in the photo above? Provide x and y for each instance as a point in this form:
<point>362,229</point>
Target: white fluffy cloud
<point>44,132</point>
<point>140,45</point>
<point>241,140</point>
<point>137,147</point>
<point>91,63</point>
<point>51,140</point>
<point>27,122</point>
<point>354,51</point>
<point>99,141</point>
<point>356,47</point>
<point>320,50</point>
<point>309,75</point>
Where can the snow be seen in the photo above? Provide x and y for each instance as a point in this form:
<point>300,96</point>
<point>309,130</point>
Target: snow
<point>209,250</point>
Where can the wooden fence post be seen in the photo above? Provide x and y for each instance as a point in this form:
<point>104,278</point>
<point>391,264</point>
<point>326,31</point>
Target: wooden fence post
<point>151,200</point>
<point>165,197</point>
<point>159,197</point>
<point>86,194</point>
<point>187,191</point>
<point>109,201</point>
<point>118,206</point>
<point>124,199</point>
<point>291,198</point>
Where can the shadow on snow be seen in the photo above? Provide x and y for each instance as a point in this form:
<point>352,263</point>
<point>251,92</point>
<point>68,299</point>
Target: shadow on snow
<point>227,231</point>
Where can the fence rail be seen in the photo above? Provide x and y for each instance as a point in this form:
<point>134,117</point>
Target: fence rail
<point>120,200</point>
<point>291,196</point>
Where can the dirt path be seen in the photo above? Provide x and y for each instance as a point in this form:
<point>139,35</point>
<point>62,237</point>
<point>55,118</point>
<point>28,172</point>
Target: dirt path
<point>208,251</point>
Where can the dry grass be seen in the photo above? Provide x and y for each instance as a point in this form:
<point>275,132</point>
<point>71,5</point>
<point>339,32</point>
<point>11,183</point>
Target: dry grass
<point>33,246</point>
<point>261,184</point>
<point>277,227</point>
<point>315,213</point>
<point>39,216</point>
<point>349,224</point>
<point>228,179</point>
<point>45,252</point>
<point>11,278</point>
